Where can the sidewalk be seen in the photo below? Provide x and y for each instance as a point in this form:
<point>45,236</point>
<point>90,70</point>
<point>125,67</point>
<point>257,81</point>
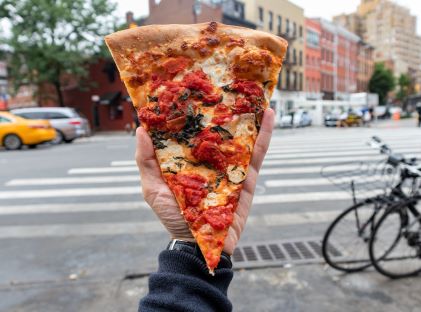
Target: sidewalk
<point>312,288</point>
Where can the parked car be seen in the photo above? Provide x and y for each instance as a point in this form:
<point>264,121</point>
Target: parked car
<point>298,119</point>
<point>331,119</point>
<point>68,123</point>
<point>351,119</point>
<point>16,131</point>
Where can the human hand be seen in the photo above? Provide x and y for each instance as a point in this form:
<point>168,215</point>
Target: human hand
<point>158,195</point>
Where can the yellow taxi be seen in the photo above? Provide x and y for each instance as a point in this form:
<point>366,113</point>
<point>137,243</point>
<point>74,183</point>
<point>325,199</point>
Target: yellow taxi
<point>16,131</point>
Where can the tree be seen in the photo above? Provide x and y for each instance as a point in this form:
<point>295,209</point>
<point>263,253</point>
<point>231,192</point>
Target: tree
<point>404,83</point>
<point>51,39</point>
<point>381,82</point>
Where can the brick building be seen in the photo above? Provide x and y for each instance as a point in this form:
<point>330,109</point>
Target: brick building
<point>328,59</point>
<point>312,49</point>
<point>365,65</point>
<point>346,63</point>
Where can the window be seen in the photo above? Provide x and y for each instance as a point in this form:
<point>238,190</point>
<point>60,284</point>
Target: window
<point>300,59</point>
<point>287,26</point>
<point>287,56</point>
<point>32,115</point>
<point>4,120</point>
<point>288,80</point>
<point>279,24</point>
<point>301,31</point>
<point>295,80</point>
<point>301,81</point>
<point>294,56</point>
<point>294,29</point>
<point>279,85</point>
<point>261,14</point>
<point>270,20</point>
<point>56,115</point>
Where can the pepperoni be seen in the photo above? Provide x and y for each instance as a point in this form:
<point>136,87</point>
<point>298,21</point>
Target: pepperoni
<point>212,99</point>
<point>193,197</point>
<point>222,114</point>
<point>209,152</point>
<point>208,135</point>
<point>175,65</point>
<point>198,81</point>
<point>150,118</point>
<point>219,217</point>
<point>247,87</point>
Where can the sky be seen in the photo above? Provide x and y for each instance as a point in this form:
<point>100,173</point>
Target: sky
<point>312,8</point>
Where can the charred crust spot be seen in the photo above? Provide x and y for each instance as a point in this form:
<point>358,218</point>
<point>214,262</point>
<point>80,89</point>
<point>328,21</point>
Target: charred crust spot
<point>184,46</point>
<point>138,80</point>
<point>196,45</point>
<point>170,52</point>
<point>212,27</point>
<point>212,41</point>
<point>236,42</point>
<point>203,51</point>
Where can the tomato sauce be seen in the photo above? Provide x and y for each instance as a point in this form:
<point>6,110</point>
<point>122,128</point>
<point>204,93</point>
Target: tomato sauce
<point>247,88</point>
<point>198,81</point>
<point>209,152</point>
<point>219,217</point>
<point>222,114</point>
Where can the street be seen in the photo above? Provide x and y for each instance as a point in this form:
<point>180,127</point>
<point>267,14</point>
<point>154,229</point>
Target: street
<point>73,225</point>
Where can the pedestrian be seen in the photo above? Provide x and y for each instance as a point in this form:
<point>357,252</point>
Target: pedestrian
<point>418,108</point>
<point>183,282</point>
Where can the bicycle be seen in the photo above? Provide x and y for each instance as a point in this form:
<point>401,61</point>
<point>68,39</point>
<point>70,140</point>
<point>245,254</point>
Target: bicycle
<point>399,229</point>
<point>344,245</point>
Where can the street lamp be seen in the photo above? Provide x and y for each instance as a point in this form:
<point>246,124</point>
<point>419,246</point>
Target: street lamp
<point>197,10</point>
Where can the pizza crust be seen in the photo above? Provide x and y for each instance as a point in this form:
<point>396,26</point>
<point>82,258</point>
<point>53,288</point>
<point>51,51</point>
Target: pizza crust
<point>165,38</point>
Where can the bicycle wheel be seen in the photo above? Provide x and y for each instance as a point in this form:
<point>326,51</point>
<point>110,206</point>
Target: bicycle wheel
<point>395,247</point>
<point>345,244</point>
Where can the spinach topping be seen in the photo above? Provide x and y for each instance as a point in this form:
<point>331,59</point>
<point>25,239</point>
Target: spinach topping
<point>185,95</point>
<point>157,110</point>
<point>227,88</point>
<point>152,98</point>
<point>191,128</point>
<point>225,134</point>
<point>157,137</point>
<point>218,180</point>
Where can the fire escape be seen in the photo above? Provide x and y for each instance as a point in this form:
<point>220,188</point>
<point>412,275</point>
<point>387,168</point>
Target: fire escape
<point>290,61</point>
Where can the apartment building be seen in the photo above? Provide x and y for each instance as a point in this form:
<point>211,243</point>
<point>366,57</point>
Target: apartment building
<point>312,75</point>
<point>391,30</point>
<point>365,65</point>
<point>285,19</point>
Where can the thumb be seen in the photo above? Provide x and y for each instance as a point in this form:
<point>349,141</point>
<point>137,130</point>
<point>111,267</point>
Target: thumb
<point>145,155</point>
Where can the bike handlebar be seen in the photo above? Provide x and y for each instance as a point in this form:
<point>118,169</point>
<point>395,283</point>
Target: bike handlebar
<point>394,159</point>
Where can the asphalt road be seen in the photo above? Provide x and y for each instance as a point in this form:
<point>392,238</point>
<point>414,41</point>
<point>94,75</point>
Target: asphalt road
<point>73,224</point>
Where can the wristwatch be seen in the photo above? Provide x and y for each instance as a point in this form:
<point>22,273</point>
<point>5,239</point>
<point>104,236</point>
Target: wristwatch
<point>193,248</point>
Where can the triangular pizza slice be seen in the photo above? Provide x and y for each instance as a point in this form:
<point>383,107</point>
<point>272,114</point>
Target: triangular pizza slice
<point>200,91</point>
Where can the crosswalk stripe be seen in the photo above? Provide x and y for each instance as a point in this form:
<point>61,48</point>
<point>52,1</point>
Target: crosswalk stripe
<point>75,192</point>
<point>300,197</point>
<point>325,160</point>
<point>97,229</point>
<point>60,230</point>
<point>102,170</point>
<point>300,170</point>
<point>72,208</point>
<point>309,182</point>
<point>327,154</point>
<point>73,180</point>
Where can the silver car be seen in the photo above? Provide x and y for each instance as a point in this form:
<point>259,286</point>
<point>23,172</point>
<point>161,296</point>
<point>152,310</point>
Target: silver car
<point>68,123</point>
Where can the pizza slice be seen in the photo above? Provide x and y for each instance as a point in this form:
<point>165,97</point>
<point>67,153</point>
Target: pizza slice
<point>200,91</point>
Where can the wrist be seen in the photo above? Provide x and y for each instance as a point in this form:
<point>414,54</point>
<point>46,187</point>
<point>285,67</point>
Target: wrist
<point>192,248</point>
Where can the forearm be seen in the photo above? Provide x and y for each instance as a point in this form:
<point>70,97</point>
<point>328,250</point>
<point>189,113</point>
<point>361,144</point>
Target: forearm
<point>183,283</point>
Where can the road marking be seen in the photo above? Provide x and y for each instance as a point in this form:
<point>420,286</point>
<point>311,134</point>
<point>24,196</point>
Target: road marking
<point>300,197</point>
<point>102,170</point>
<point>97,229</point>
<point>326,154</point>
<point>65,230</point>
<point>123,163</point>
<point>326,160</point>
<point>76,192</point>
<point>299,170</point>
<point>299,182</point>
<point>72,208</point>
<point>73,180</point>
<point>117,146</point>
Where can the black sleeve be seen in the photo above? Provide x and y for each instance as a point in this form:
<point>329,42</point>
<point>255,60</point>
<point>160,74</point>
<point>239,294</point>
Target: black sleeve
<point>183,283</point>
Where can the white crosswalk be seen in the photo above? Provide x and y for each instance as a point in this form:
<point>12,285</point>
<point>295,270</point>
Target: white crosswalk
<point>290,176</point>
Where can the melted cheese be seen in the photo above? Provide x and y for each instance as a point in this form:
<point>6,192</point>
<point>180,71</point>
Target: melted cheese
<point>236,174</point>
<point>166,156</point>
<point>245,126</point>
<point>216,67</point>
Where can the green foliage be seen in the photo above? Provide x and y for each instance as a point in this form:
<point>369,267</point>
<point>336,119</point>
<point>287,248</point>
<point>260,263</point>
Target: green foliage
<point>404,83</point>
<point>51,38</point>
<point>381,82</point>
